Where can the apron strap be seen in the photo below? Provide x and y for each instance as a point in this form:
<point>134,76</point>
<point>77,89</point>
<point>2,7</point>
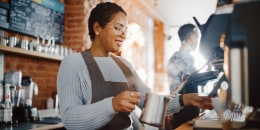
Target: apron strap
<point>127,72</point>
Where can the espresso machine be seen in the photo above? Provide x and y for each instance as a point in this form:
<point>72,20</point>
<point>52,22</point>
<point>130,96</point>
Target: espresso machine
<point>12,85</point>
<point>16,98</point>
<point>237,34</point>
<point>25,111</point>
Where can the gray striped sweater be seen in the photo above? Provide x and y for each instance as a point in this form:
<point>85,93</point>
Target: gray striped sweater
<point>74,92</point>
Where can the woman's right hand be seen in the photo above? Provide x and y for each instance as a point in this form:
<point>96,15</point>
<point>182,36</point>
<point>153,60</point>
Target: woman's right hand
<point>126,101</point>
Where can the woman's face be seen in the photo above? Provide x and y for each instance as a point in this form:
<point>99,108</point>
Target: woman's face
<point>113,34</point>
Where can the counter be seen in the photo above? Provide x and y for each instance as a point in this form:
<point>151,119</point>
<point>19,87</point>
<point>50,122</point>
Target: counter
<point>33,126</point>
<point>46,124</point>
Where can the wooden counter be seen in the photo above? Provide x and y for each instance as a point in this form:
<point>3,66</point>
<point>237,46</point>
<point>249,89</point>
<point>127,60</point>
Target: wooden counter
<point>185,126</point>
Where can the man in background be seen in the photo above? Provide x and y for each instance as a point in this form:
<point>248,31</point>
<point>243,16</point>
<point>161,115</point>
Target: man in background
<point>182,64</point>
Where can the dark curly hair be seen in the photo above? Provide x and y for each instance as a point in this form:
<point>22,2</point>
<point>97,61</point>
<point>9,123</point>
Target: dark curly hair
<point>102,14</point>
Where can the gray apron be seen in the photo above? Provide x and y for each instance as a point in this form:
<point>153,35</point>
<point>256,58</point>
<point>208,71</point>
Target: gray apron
<point>102,89</point>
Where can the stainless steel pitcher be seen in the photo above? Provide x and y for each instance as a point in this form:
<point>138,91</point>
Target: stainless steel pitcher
<point>154,109</point>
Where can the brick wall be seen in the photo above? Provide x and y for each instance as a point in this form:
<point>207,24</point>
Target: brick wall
<point>42,71</point>
<point>75,24</point>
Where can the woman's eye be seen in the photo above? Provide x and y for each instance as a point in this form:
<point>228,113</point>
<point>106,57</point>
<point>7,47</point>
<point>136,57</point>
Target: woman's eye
<point>117,28</point>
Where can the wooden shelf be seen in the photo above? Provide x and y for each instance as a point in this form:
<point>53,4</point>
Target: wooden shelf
<point>29,53</point>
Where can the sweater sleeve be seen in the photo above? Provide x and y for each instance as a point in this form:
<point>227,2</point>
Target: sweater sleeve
<point>174,105</point>
<point>74,101</point>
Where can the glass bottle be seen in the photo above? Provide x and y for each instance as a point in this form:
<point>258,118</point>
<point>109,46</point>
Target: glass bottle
<point>8,111</point>
<point>1,102</point>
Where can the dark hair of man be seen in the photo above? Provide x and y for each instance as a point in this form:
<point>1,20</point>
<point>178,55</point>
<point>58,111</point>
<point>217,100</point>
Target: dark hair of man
<point>185,31</point>
<point>102,13</point>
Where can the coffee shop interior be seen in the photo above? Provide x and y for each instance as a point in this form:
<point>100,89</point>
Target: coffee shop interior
<point>35,35</point>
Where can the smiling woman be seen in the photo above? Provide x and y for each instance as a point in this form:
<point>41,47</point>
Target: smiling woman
<point>98,90</point>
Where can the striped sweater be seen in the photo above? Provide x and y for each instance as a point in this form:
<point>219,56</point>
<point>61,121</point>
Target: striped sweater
<point>74,92</point>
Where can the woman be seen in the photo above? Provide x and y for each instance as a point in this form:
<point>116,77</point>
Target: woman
<point>98,90</point>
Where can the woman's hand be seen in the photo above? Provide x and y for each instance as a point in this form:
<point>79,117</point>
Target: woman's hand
<point>199,101</point>
<point>126,101</point>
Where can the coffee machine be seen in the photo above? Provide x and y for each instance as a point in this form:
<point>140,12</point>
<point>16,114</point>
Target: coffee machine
<point>25,111</point>
<point>238,32</point>
<point>11,95</point>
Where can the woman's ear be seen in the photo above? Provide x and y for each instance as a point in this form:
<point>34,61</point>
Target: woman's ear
<point>96,28</point>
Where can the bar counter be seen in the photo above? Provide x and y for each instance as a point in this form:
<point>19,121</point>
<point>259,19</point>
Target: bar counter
<point>33,126</point>
<point>46,124</point>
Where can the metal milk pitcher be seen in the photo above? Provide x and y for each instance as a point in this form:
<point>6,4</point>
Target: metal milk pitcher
<point>154,110</point>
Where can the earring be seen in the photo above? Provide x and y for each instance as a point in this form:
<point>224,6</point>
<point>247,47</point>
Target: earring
<point>97,33</point>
